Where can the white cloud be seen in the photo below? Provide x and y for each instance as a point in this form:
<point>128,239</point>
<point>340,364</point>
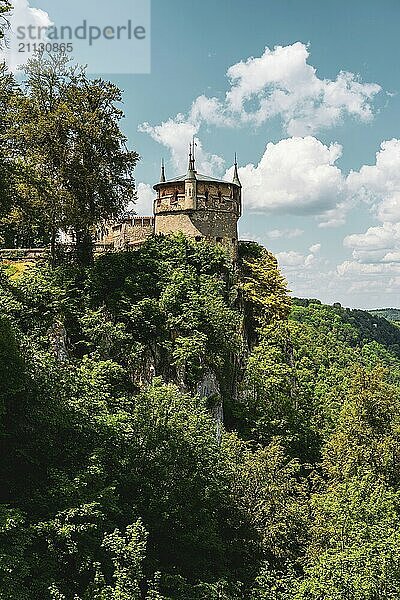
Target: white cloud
<point>281,83</point>
<point>296,176</point>
<point>307,274</point>
<point>381,238</point>
<point>290,259</point>
<point>275,234</point>
<point>299,176</point>
<point>210,110</point>
<point>379,184</point>
<point>351,268</point>
<point>145,196</point>
<point>294,259</point>
<point>23,15</point>
<point>176,135</point>
<point>376,252</point>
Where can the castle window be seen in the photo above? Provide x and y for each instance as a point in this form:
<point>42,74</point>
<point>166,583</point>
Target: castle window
<point>206,195</point>
<point>174,200</point>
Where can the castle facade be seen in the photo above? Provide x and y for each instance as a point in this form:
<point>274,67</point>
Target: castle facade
<point>199,206</point>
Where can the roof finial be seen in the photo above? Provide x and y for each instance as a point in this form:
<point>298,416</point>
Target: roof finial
<point>191,157</point>
<point>236,174</point>
<point>162,176</point>
<point>191,174</point>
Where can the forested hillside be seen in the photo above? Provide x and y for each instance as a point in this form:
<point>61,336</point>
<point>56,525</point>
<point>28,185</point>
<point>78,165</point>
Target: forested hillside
<point>173,428</point>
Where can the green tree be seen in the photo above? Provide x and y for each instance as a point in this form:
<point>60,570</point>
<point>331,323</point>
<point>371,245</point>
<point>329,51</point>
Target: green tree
<point>354,550</point>
<point>7,96</point>
<point>77,169</point>
<point>5,9</point>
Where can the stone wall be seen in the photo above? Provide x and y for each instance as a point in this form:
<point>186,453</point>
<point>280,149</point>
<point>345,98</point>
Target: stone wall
<point>214,226</point>
<point>22,254</point>
<point>209,195</point>
<point>129,232</point>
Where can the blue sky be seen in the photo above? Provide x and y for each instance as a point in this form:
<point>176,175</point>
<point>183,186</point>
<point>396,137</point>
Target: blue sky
<point>324,96</point>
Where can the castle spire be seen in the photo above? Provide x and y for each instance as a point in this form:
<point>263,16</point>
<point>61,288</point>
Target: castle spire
<point>162,176</point>
<point>193,150</point>
<point>191,174</point>
<point>236,174</point>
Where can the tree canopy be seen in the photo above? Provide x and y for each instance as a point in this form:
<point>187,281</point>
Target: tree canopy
<point>170,431</point>
<point>71,163</point>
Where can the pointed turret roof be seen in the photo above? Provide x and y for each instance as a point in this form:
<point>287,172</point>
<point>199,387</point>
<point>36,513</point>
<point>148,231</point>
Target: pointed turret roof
<point>236,179</point>
<point>162,176</point>
<point>191,173</point>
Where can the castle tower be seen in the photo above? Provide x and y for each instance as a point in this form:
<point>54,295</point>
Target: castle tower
<point>200,206</point>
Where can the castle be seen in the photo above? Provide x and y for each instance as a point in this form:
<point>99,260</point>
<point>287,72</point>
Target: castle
<point>199,206</point>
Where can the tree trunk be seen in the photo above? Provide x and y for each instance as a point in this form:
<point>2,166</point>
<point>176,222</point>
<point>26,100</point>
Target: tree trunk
<point>84,248</point>
<point>53,240</point>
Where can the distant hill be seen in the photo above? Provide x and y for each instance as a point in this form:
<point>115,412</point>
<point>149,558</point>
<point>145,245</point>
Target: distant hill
<point>366,326</point>
<point>391,314</point>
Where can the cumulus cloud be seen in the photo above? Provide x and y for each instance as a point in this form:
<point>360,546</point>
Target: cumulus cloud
<point>374,262</point>
<point>379,184</point>
<point>144,202</point>
<point>379,238</point>
<point>23,15</point>
<point>175,135</point>
<point>282,83</point>
<point>299,176</point>
<point>351,268</point>
<point>306,273</point>
<point>292,259</point>
<point>296,176</point>
<point>376,252</point>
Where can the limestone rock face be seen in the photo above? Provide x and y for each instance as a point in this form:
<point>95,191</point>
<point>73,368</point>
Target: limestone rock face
<point>209,388</point>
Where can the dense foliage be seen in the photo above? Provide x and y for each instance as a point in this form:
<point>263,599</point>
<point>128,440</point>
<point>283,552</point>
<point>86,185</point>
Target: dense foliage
<point>64,163</point>
<point>172,426</point>
<point>118,478</point>
<point>5,8</point>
